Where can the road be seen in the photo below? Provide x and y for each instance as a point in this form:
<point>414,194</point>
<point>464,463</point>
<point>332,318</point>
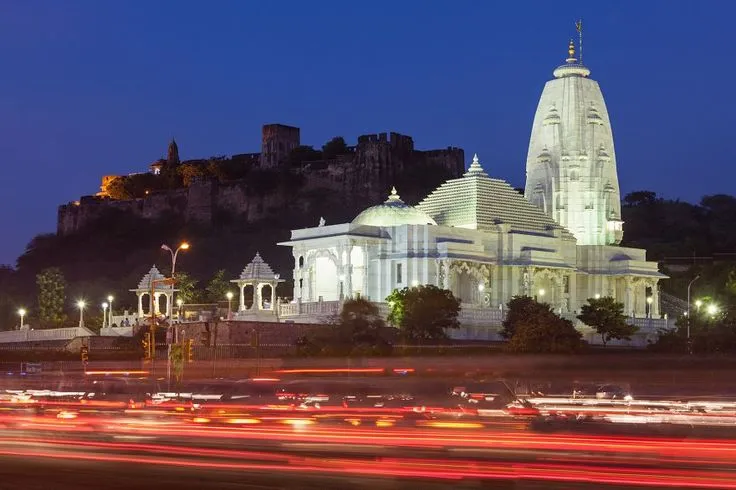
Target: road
<point>120,453</point>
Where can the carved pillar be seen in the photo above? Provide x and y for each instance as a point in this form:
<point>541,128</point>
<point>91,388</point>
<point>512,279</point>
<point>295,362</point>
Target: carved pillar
<point>655,299</point>
<point>348,267</point>
<point>241,302</point>
<point>169,310</point>
<point>155,306</point>
<point>629,299</point>
<point>450,280</point>
<point>442,272</point>
<point>273,295</point>
<point>257,291</point>
<point>526,281</point>
<point>559,291</point>
<point>140,304</point>
<point>366,271</point>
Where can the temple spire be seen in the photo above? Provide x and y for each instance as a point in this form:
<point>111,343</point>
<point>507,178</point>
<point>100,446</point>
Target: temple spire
<point>172,155</point>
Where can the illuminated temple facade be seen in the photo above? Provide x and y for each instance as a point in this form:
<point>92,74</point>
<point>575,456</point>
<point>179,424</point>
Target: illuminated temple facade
<point>480,238</point>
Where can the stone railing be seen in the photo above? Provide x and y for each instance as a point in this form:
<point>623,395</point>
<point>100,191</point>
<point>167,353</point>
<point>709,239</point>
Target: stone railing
<point>315,308</point>
<point>116,332</point>
<point>28,335</point>
<point>473,315</point>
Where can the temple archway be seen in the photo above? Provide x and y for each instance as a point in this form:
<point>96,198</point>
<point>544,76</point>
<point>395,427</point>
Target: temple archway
<point>325,279</point>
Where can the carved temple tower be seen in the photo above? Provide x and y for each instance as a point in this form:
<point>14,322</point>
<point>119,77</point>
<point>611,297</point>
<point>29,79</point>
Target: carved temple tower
<point>571,164</point>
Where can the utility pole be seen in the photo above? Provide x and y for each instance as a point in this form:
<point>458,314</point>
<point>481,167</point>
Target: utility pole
<point>689,343</point>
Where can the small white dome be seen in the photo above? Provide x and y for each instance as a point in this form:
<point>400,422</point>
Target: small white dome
<point>393,212</point>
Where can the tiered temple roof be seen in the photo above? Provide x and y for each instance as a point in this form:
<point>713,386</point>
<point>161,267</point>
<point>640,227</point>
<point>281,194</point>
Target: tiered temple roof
<point>477,201</point>
<point>257,270</point>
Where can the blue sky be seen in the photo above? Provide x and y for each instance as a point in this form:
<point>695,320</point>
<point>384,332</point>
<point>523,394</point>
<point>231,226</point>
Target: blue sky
<point>99,87</point>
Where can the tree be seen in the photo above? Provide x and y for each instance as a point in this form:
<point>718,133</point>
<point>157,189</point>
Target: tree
<point>423,312</point>
<point>518,309</point>
<point>190,172</point>
<point>360,322</point>
<point>607,317</point>
<point>640,198</point>
<point>218,287</point>
<point>51,296</point>
<point>531,326</point>
<point>187,286</point>
<point>336,146</point>
<point>545,334</point>
<point>176,356</point>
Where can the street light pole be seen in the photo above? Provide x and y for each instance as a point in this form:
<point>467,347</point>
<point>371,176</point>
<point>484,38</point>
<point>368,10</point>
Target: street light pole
<point>22,313</point>
<point>104,314</point>
<point>688,310</point>
<point>109,312</point>
<point>229,296</point>
<point>81,304</point>
<point>174,255</point>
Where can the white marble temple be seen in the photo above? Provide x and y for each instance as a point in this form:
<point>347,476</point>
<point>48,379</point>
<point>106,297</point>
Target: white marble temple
<point>571,163</point>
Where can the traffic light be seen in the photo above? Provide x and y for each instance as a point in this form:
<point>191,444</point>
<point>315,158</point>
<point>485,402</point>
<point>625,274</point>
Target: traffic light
<point>190,350</point>
<point>146,343</point>
<point>84,353</point>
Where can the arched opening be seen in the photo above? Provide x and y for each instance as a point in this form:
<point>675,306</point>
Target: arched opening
<point>160,303</point>
<point>248,296</point>
<point>266,297</point>
<point>147,303</point>
<point>544,290</point>
<point>301,262</point>
<point>468,288</point>
<point>325,280</point>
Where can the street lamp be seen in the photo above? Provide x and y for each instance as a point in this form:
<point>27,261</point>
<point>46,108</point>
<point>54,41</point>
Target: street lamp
<point>22,312</point>
<point>104,314</point>
<point>650,300</point>
<point>698,304</point>
<point>174,254</point>
<point>597,296</point>
<point>229,296</point>
<point>688,306</point>
<point>81,304</point>
<point>179,302</point>
<point>109,314</point>
<point>541,293</point>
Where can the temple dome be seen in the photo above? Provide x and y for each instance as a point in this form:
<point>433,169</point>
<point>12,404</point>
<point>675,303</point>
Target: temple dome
<point>393,212</point>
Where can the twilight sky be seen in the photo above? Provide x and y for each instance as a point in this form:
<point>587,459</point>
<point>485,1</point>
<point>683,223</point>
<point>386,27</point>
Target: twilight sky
<point>99,87</point>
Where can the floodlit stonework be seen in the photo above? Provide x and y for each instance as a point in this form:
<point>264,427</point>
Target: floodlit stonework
<point>488,244</point>
<point>571,164</point>
<point>479,238</point>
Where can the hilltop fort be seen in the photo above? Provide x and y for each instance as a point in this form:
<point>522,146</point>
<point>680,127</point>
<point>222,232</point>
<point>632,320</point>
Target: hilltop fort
<point>253,186</point>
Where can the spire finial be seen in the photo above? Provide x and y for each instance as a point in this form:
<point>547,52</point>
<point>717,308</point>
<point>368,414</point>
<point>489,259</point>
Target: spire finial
<point>571,52</point>
<point>394,196</point>
<point>475,168</point>
<point>579,28</point>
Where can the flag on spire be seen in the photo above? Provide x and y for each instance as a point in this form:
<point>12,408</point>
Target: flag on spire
<point>579,25</point>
